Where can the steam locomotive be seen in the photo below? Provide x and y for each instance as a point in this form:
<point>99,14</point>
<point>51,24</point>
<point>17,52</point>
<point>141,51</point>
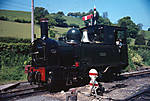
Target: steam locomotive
<point>69,59</point>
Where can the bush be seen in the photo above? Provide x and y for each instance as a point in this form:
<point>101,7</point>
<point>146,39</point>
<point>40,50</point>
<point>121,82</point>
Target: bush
<point>22,21</point>
<point>74,25</point>
<point>145,54</point>
<point>13,58</point>
<point>131,65</point>
<point>14,40</point>
<point>143,51</point>
<point>138,55</point>
<point>52,33</point>
<point>4,18</point>
<point>139,40</point>
<point>148,43</point>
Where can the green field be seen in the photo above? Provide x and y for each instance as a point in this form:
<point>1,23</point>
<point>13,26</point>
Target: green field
<point>23,30</point>
<point>72,20</point>
<point>16,30</point>
<point>12,15</point>
<point>147,35</point>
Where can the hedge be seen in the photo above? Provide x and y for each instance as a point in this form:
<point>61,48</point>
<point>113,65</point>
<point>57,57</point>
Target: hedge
<point>14,40</point>
<point>13,58</point>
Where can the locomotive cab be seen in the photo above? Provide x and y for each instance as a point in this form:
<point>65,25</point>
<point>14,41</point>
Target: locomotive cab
<point>104,46</point>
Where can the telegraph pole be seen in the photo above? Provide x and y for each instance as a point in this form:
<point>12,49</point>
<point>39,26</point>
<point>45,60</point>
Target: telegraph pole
<point>32,21</point>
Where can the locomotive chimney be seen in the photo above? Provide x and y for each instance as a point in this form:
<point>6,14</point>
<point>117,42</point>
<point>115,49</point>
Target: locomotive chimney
<point>44,27</point>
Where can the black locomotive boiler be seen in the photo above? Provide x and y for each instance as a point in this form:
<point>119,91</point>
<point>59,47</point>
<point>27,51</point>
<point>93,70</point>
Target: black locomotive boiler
<point>69,59</point>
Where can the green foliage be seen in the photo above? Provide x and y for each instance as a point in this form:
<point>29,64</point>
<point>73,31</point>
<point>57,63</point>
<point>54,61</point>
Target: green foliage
<point>146,34</point>
<point>14,40</point>
<point>105,21</point>
<point>40,12</point>
<point>145,54</point>
<point>4,18</point>
<point>130,41</point>
<point>51,20</point>
<point>138,55</point>
<point>22,21</point>
<point>13,58</point>
<point>75,14</point>
<point>61,22</point>
<point>131,65</point>
<point>74,25</point>
<point>72,20</point>
<point>17,30</point>
<point>143,51</point>
<point>132,28</point>
<point>12,15</point>
<point>140,40</point>
<point>148,43</point>
<point>52,33</point>
<point>61,13</point>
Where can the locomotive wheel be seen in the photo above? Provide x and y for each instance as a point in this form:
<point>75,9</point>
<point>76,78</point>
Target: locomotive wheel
<point>29,77</point>
<point>110,74</point>
<point>50,83</point>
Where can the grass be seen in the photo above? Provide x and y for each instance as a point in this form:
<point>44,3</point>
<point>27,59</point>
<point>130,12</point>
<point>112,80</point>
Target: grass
<point>23,30</point>
<point>17,30</point>
<point>60,29</point>
<point>147,35</point>
<point>11,15</point>
<point>72,20</point>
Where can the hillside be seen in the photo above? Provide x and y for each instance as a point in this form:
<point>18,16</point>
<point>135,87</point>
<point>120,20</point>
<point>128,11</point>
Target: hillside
<point>16,30</point>
<point>72,20</point>
<point>147,35</point>
<point>22,30</point>
<point>11,15</point>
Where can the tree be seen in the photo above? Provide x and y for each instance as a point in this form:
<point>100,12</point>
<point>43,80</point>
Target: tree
<point>140,25</point>
<point>148,43</point>
<point>61,13</point>
<point>69,14</point>
<point>51,21</point>
<point>140,40</point>
<point>148,29</point>
<point>74,25</point>
<point>132,28</point>
<point>52,33</point>
<point>40,12</point>
<point>61,22</point>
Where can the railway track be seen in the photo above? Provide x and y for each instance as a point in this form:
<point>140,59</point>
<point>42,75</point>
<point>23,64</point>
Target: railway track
<point>143,95</point>
<point>136,73</point>
<point>26,90</point>
<point>18,92</point>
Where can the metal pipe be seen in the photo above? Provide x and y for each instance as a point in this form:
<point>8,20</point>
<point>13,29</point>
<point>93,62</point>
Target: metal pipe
<point>32,21</point>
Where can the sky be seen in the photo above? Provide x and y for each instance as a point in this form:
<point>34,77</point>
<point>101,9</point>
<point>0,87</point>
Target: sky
<point>138,10</point>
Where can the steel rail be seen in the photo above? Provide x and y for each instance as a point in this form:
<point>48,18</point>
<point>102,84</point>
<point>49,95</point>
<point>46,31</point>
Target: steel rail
<point>136,73</point>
